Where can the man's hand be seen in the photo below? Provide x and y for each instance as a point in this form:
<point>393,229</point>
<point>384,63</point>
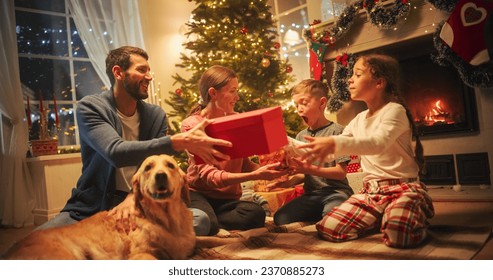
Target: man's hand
<point>197,142</point>
<point>125,214</point>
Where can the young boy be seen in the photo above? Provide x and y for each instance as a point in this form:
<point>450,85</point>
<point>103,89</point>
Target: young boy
<point>325,186</point>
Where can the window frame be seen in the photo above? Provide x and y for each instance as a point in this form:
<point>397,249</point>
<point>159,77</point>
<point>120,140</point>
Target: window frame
<point>70,58</point>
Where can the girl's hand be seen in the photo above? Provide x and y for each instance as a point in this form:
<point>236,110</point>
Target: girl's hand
<point>319,149</point>
<point>296,166</point>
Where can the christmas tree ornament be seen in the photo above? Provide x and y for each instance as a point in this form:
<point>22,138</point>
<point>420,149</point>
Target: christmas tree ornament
<point>265,62</point>
<point>289,69</point>
<point>244,30</point>
<point>277,45</point>
<point>178,91</point>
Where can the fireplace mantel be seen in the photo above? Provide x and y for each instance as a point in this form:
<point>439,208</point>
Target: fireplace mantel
<point>422,20</point>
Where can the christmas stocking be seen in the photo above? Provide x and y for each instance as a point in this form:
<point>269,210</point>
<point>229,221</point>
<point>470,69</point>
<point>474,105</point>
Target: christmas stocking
<point>464,30</point>
<point>317,52</point>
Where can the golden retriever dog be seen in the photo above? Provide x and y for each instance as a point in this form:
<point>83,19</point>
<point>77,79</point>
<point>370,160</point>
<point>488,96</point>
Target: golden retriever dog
<point>164,225</point>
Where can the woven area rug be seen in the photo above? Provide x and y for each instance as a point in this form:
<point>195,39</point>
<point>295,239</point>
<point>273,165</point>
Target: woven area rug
<point>299,241</point>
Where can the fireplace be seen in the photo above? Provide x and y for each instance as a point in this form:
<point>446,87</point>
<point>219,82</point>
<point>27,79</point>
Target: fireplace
<point>441,104</point>
<point>439,101</point>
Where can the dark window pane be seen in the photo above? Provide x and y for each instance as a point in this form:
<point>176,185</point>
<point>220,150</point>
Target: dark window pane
<point>87,81</point>
<point>41,34</point>
<point>46,77</point>
<point>46,5</point>
<point>78,49</point>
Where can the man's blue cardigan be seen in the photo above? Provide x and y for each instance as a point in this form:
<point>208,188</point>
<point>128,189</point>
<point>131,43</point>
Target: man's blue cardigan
<point>103,150</point>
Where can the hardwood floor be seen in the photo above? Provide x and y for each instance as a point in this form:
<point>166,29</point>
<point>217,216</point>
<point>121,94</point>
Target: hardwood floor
<point>450,209</point>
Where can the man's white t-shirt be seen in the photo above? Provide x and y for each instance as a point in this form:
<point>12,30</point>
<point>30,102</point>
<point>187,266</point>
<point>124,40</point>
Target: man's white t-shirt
<point>130,128</point>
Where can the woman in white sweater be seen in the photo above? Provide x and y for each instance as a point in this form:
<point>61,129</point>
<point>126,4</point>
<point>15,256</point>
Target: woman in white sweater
<point>392,198</point>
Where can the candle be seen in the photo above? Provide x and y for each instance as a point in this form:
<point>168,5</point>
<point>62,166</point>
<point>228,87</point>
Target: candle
<point>57,121</point>
<point>28,113</point>
<point>41,103</point>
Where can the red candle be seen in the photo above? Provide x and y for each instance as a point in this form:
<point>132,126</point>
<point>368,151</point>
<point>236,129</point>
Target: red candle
<point>41,103</point>
<point>57,121</point>
<point>28,113</point>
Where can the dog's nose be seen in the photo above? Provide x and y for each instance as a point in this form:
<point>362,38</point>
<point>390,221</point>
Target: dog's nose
<point>161,180</point>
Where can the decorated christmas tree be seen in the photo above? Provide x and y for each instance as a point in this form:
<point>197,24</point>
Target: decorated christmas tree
<point>241,35</point>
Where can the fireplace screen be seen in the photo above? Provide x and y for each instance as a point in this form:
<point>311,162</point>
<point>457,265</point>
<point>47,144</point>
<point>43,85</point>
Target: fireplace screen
<point>438,99</point>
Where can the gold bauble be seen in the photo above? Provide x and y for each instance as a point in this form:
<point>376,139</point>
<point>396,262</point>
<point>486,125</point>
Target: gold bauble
<point>265,62</point>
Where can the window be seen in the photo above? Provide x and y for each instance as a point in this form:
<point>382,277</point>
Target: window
<point>54,67</point>
<point>292,18</point>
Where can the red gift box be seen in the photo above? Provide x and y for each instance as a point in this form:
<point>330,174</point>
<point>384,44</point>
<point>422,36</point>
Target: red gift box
<point>256,132</point>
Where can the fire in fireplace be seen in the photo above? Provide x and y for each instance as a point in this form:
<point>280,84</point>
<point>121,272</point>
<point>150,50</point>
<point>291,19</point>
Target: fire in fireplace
<point>438,99</point>
<point>441,104</point>
<point>436,115</point>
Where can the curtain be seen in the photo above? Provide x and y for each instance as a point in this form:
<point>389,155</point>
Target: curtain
<point>16,190</point>
<point>106,24</point>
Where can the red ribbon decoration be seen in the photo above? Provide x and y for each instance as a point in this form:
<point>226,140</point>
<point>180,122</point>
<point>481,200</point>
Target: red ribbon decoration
<point>342,59</point>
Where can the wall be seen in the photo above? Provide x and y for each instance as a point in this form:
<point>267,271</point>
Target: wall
<point>422,20</point>
<point>162,24</point>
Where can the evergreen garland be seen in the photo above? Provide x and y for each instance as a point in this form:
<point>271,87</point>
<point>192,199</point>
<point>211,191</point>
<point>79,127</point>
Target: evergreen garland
<point>444,5</point>
<point>380,16</point>
<point>386,17</point>
<point>339,83</point>
<point>341,26</point>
